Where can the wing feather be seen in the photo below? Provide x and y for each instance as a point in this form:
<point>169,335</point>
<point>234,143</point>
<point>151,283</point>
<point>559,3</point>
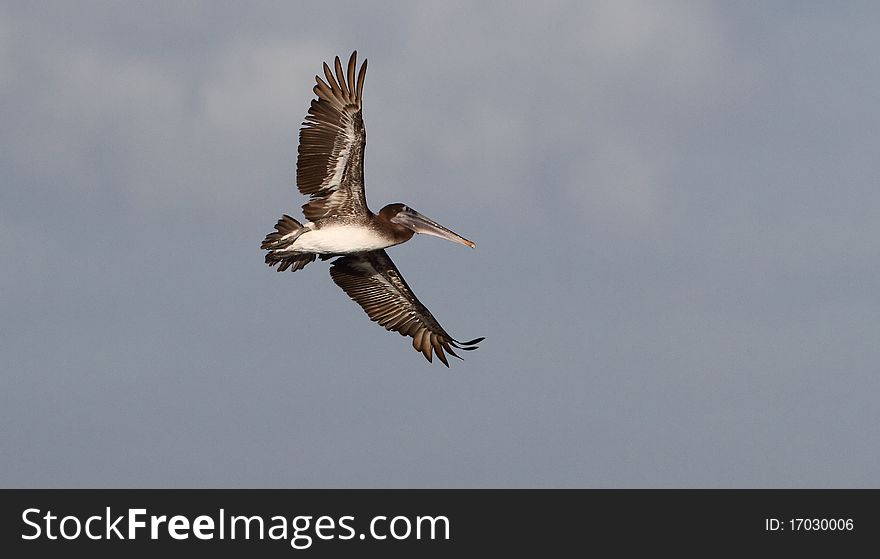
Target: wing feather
<point>373,281</point>
<point>330,163</point>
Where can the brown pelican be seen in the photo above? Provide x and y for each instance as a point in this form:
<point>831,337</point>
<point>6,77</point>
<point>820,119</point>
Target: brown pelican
<point>330,170</point>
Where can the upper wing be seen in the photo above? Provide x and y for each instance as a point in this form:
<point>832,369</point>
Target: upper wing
<point>330,166</point>
<point>373,281</point>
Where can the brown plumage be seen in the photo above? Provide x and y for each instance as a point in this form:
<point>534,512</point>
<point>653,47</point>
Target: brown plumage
<point>330,170</point>
<point>374,282</point>
<point>330,167</point>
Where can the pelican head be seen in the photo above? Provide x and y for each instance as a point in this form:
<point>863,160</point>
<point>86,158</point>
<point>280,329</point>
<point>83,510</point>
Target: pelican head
<point>404,216</point>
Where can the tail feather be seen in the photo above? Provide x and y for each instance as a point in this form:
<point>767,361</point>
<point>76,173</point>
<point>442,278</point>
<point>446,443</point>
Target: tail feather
<point>280,246</point>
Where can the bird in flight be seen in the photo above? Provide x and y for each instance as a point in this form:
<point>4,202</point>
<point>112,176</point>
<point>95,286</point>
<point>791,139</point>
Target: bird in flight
<point>330,170</point>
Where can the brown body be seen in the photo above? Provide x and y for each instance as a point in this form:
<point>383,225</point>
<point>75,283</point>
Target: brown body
<point>330,170</point>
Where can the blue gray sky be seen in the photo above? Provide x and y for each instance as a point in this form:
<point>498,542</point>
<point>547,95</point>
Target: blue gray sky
<point>675,206</point>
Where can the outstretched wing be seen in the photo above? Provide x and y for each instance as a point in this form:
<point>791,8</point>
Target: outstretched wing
<point>330,166</point>
<point>373,281</point>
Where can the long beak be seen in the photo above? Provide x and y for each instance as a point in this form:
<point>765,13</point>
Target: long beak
<point>421,224</point>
